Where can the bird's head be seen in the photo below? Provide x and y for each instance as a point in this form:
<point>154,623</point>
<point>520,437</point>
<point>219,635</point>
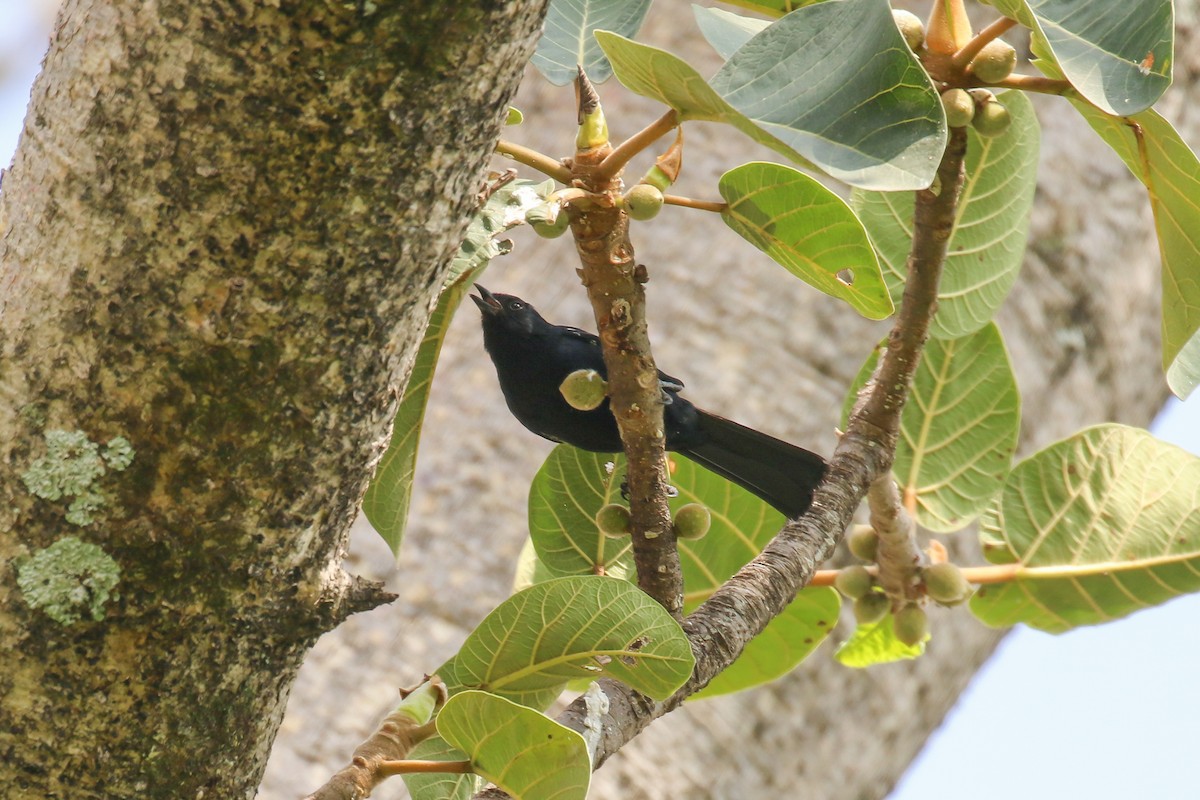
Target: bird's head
<point>506,312</point>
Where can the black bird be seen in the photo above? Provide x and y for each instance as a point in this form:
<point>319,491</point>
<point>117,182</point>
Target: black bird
<point>533,357</point>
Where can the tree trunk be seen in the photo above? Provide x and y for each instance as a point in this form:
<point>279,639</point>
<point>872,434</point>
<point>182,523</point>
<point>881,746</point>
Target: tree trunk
<point>1082,329</point>
<point>223,230</point>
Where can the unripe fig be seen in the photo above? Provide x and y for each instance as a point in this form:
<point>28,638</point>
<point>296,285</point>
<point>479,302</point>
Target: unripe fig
<point>863,542</point>
<point>643,201</point>
<point>910,28</point>
<point>584,389</point>
<point>911,625</point>
<point>871,607</point>
<point>960,107</point>
<point>853,582</point>
<point>613,520</point>
<point>991,119</point>
<point>995,61</point>
<point>946,583</point>
<point>692,521</point>
<point>552,229</point>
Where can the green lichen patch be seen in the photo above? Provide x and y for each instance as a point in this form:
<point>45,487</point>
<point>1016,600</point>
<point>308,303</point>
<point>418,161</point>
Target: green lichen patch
<point>71,467</point>
<point>69,579</point>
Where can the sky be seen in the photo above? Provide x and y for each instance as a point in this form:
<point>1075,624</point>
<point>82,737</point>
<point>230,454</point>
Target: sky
<point>1110,712</point>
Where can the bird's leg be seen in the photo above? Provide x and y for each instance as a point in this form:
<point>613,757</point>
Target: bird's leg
<point>667,387</point>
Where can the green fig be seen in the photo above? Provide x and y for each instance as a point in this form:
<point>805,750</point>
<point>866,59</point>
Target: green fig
<point>960,107</point>
<point>945,583</point>
<point>853,582</point>
<point>613,520</point>
<point>863,542</point>
<point>995,61</point>
<point>584,389</point>
<point>991,119</point>
<point>643,201</point>
<point>911,625</point>
<point>692,521</point>
<point>910,28</point>
<point>871,607</point>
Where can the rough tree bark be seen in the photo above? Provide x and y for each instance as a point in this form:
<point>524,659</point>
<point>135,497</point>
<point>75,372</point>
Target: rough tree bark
<point>1082,328</point>
<point>222,234</point>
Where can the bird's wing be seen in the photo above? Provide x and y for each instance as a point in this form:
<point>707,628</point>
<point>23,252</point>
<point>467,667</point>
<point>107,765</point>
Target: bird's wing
<point>670,383</point>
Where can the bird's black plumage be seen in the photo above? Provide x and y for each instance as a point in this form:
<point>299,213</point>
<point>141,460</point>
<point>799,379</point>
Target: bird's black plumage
<point>533,357</point>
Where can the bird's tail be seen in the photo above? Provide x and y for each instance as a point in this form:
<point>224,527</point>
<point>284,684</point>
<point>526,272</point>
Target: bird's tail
<point>780,473</point>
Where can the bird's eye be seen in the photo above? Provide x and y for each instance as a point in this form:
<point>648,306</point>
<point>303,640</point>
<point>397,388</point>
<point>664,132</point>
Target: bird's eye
<point>516,305</point>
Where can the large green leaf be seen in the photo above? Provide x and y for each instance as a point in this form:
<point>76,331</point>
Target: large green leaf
<point>809,230</point>
<point>386,501</point>
<point>1171,173</point>
<point>987,244</point>
<point>1101,524</point>
<point>536,641</point>
<point>523,752</point>
<point>958,430</point>
<point>773,8</point>
<point>1117,53</point>
<point>836,82</point>
<point>440,785</point>
<point>568,40</point>
<point>565,495</point>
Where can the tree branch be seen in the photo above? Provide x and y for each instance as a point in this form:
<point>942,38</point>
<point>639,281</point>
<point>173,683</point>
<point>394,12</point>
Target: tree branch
<point>738,611</point>
<point>532,158</point>
<point>616,160</point>
<point>614,285</point>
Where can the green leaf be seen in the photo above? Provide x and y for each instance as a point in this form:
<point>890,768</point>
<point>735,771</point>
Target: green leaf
<point>521,751</point>
<point>1118,54</point>
<point>565,495</point>
<point>726,32</point>
<point>440,785</point>
<point>987,244</point>
<point>875,644</point>
<point>536,641</point>
<point>809,230</point>
<point>958,430</point>
<point>568,40</point>
<point>742,524</point>
<point>1171,173</point>
<point>837,83</point>
<point>1101,524</point>
<point>386,501</point>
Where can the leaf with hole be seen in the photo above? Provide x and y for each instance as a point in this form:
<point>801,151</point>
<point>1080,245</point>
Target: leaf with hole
<point>808,230</point>
<point>536,641</point>
<point>523,752</point>
<point>1101,524</point>
<point>987,242</point>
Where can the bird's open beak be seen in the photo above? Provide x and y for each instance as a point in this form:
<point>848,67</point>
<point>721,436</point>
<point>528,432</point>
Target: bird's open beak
<point>486,301</point>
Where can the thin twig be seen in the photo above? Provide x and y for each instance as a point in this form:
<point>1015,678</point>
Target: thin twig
<point>1033,83</point>
<point>532,158</point>
<point>413,767</point>
<point>615,161</point>
<point>703,205</point>
<point>994,31</point>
